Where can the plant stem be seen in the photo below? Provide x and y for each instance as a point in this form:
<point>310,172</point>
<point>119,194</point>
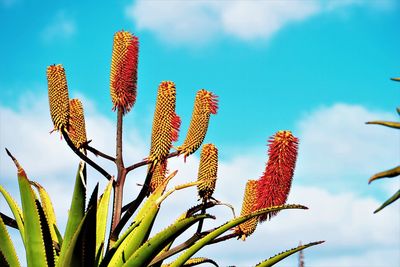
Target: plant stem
<point>121,175</point>
<point>132,208</point>
<point>84,157</point>
<point>146,161</point>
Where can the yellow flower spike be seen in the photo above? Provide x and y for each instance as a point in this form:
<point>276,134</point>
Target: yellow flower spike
<point>58,97</point>
<point>77,122</point>
<point>207,171</point>
<point>123,77</point>
<point>206,103</point>
<point>165,123</point>
<point>159,174</point>
<point>249,200</point>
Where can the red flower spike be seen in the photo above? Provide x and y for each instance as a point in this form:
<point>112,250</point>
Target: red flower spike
<point>123,78</point>
<point>274,185</point>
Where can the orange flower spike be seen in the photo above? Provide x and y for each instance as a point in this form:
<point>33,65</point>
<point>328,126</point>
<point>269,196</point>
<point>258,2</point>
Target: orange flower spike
<point>77,121</point>
<point>248,206</point>
<point>165,123</point>
<point>58,97</point>
<point>274,185</point>
<point>206,103</point>
<point>124,63</point>
<point>208,169</point>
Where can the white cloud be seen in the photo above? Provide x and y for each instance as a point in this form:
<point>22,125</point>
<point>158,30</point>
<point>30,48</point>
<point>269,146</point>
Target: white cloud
<point>200,21</point>
<point>61,27</point>
<point>355,236</point>
<point>337,147</point>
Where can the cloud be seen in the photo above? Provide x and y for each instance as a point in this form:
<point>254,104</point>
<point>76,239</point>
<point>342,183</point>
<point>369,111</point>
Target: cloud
<point>198,22</point>
<point>355,236</point>
<point>61,27</point>
<point>336,146</point>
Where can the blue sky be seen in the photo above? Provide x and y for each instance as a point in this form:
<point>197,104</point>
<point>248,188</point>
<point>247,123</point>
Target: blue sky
<point>318,68</point>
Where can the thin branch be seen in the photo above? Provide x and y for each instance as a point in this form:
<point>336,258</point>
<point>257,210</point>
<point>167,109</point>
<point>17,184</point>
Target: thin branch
<point>146,161</point>
<point>223,238</point>
<point>97,152</point>
<point>84,157</point>
<point>189,242</point>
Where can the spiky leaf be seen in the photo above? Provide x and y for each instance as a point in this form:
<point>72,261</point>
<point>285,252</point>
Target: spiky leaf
<point>392,199</point>
<point>277,258</point>
<point>16,210</point>
<point>6,247</point>
<point>76,210</point>
<point>225,227</point>
<point>153,246</point>
<point>101,217</point>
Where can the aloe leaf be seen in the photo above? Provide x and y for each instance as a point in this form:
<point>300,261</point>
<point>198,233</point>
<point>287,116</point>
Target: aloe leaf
<point>110,253</point>
<point>48,210</point>
<point>392,199</point>
<point>154,245</point>
<point>34,244</point>
<point>137,236</point>
<point>388,173</point>
<point>390,124</point>
<point>15,209</point>
<point>69,256</point>
<point>6,247</point>
<point>146,217</point>
<point>225,227</point>
<point>198,261</point>
<point>47,239</point>
<point>277,258</point>
<point>76,210</point>
<point>88,233</point>
<point>102,213</point>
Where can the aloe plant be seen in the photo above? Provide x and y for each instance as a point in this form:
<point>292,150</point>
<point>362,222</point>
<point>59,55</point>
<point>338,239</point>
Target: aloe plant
<point>393,172</point>
<point>130,241</point>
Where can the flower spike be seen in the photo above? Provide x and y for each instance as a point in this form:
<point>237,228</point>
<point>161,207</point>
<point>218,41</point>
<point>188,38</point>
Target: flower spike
<point>77,121</point>
<point>165,123</point>
<point>123,78</point>
<point>159,175</point>
<point>206,103</point>
<point>58,97</point>
<point>248,206</point>
<point>274,185</point>
<point>207,171</point>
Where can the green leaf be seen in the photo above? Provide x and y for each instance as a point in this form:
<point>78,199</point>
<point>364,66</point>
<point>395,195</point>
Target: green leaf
<point>277,258</point>
<point>225,227</point>
<point>34,244</point>
<point>17,212</point>
<point>144,255</point>
<point>102,214</point>
<point>6,246</point>
<point>48,211</point>
<point>87,238</point>
<point>137,236</point>
<point>198,261</point>
<point>392,199</point>
<point>47,239</point>
<point>76,210</point>
<point>69,256</point>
